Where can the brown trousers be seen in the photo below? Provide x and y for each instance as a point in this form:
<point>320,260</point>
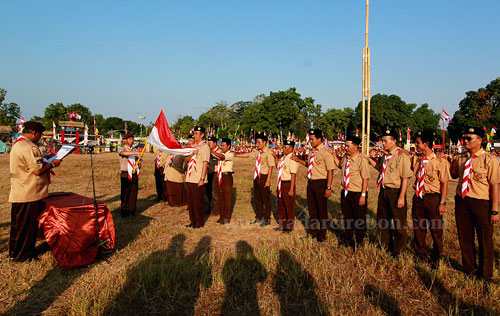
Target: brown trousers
<point>24,229</point>
<point>317,205</point>
<point>161,185</point>
<point>472,217</point>
<point>176,193</point>
<point>425,214</point>
<point>225,197</point>
<point>391,220</point>
<point>129,190</point>
<point>286,207</point>
<point>195,204</point>
<point>262,198</point>
<point>354,217</point>
<point>212,190</point>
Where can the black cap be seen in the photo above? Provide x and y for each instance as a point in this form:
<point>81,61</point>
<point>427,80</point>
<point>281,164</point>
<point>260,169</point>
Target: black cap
<point>261,136</point>
<point>354,139</point>
<point>475,130</point>
<point>316,132</point>
<point>427,135</point>
<point>190,136</point>
<point>390,132</point>
<point>128,135</point>
<point>199,129</point>
<point>289,142</point>
<point>212,139</point>
<point>34,126</point>
<point>227,141</point>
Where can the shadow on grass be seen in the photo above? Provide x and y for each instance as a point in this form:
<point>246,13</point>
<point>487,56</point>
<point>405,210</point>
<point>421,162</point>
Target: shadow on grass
<point>448,300</point>
<point>241,275</point>
<point>167,282</point>
<point>296,288</point>
<point>386,302</point>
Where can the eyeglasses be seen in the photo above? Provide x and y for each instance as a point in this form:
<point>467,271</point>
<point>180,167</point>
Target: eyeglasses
<point>468,138</point>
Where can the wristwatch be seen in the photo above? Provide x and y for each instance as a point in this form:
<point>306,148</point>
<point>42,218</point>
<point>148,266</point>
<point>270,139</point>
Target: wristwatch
<point>329,188</point>
<point>363,194</point>
<point>442,202</point>
<point>493,212</point>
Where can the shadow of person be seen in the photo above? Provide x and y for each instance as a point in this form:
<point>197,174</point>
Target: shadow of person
<point>386,302</point>
<point>241,275</point>
<point>296,288</point>
<point>447,299</point>
<point>167,282</point>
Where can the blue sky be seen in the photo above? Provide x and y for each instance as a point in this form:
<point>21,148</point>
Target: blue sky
<point>124,57</point>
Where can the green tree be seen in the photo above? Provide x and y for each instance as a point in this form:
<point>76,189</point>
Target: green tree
<point>424,118</point>
<point>9,112</point>
<point>81,110</point>
<point>335,121</point>
<point>184,124</point>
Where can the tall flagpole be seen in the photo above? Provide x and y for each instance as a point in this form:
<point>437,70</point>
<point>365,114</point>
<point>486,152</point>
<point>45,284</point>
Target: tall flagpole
<point>366,102</point>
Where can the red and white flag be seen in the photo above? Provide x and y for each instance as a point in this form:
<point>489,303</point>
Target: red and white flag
<point>21,125</point>
<point>162,138</point>
<point>54,130</point>
<point>445,117</point>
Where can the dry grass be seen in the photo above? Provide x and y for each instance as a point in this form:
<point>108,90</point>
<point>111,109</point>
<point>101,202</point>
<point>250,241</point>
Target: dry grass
<point>161,267</point>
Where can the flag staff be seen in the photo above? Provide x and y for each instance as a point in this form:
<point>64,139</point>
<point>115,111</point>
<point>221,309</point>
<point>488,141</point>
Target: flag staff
<point>366,102</point>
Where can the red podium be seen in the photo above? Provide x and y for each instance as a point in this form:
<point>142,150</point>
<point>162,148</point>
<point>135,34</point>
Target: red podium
<point>68,225</point>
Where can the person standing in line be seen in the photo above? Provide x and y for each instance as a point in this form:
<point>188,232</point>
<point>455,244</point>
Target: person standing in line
<point>224,182</point>
<point>129,177</point>
<point>476,203</point>
<point>159,173</point>
<point>174,179</point>
<point>264,162</point>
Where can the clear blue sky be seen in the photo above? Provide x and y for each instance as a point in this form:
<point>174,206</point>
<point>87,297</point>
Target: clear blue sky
<point>123,57</point>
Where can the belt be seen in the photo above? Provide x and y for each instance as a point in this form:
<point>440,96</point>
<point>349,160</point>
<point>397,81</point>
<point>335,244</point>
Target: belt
<point>285,181</point>
<point>227,173</point>
<point>392,189</point>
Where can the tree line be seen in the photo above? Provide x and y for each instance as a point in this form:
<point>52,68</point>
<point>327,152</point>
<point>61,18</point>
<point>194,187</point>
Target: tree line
<point>283,111</point>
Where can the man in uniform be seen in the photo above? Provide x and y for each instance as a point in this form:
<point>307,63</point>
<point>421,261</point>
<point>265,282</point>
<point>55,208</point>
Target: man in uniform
<point>395,172</point>
<point>161,187</point>
<point>29,183</point>
<point>197,178</point>
<point>174,178</point>
<point>476,203</point>
<point>129,177</point>
<point>353,199</point>
<point>287,175</point>
<point>224,179</point>
<point>212,184</point>
<point>429,201</point>
<point>319,184</point>
<point>264,162</point>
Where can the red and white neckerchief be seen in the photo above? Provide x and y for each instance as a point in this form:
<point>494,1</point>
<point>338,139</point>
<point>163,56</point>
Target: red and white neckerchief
<point>219,171</point>
<point>280,173</point>
<point>419,190</point>
<point>311,164</point>
<point>19,139</point>
<point>192,165</point>
<point>158,160</point>
<point>346,176</point>
<point>466,179</point>
<point>384,167</point>
<point>257,166</point>
<point>130,167</point>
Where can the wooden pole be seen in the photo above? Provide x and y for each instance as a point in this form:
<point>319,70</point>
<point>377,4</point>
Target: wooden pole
<point>368,96</point>
<point>363,112</point>
<point>366,102</point>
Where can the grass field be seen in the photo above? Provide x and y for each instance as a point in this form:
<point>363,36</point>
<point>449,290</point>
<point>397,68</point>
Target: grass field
<point>160,267</point>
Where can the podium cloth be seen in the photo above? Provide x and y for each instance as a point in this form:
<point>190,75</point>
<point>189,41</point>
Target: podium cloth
<point>68,225</point>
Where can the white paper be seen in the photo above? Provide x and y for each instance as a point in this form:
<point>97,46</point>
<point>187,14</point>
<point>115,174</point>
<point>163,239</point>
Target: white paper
<point>63,152</point>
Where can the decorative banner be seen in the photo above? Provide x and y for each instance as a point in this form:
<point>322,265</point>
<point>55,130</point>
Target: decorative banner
<point>86,135</point>
<point>54,136</point>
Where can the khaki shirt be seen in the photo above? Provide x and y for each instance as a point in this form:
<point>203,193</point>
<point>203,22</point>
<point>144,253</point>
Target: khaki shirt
<point>266,159</point>
<point>165,159</point>
<point>212,165</point>
<point>227,163</point>
<point>437,171</point>
<point>123,159</point>
<point>397,167</point>
<point>358,171</point>
<point>485,172</point>
<point>202,156</point>
<point>289,167</point>
<point>323,162</point>
<point>172,172</point>
<point>26,157</point>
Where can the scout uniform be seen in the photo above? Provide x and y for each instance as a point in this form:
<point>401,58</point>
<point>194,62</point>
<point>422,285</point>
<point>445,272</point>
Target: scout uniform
<point>477,172</point>
<point>262,195</point>
<point>286,203</point>
<point>129,186</point>
<point>26,193</point>
<point>212,191</point>
<point>174,171</point>
<point>161,187</point>
<point>355,169</point>
<point>225,184</point>
<point>194,193</point>
<point>391,219</point>
<point>430,172</point>
<point>320,162</point>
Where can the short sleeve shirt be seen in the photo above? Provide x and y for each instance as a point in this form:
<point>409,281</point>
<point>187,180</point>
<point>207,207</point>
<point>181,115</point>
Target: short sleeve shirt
<point>171,172</point>
<point>436,171</point>
<point>358,171</point>
<point>397,167</point>
<point>123,159</point>
<point>266,160</point>
<point>289,167</point>
<point>202,156</point>
<point>227,162</point>
<point>25,158</point>
<point>323,162</point>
